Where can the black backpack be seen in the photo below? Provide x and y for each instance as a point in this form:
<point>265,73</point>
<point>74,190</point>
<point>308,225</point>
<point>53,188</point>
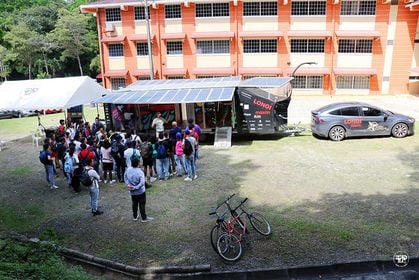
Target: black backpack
<point>187,149</point>
<point>115,149</point>
<point>161,151</point>
<point>43,157</point>
<point>85,178</point>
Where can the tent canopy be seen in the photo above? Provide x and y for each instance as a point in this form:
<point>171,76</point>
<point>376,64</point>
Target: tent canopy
<point>188,90</point>
<point>58,93</point>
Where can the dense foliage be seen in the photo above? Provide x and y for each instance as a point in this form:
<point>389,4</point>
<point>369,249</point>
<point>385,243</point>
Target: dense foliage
<point>34,261</point>
<point>46,38</point>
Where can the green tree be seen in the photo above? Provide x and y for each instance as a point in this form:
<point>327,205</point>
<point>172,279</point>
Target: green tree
<point>24,47</point>
<point>72,35</point>
<point>4,69</point>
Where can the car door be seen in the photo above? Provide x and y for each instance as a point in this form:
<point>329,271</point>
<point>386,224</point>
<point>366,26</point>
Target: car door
<point>373,121</point>
<point>351,120</point>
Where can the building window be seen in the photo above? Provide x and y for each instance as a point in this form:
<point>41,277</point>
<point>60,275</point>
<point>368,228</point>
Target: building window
<point>260,46</point>
<point>116,49</point>
<point>308,8</point>
<point>213,47</point>
<point>307,45</point>
<point>175,77</point>
<point>118,83</point>
<point>113,14</point>
<point>139,13</point>
<point>142,49</point>
<point>260,9</point>
<point>143,78</point>
<point>355,46</point>
<point>246,77</point>
<point>212,10</point>
<point>172,11</point>
<point>174,47</point>
<point>357,8</point>
<point>210,76</point>
<point>307,82</point>
<point>353,82</point>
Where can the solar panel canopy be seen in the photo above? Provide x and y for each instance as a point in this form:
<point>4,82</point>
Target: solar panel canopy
<point>186,90</point>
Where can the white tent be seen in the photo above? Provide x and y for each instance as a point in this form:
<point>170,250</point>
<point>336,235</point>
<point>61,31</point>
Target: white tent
<point>57,93</point>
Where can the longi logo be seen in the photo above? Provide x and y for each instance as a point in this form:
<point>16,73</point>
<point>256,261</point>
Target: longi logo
<point>401,259</point>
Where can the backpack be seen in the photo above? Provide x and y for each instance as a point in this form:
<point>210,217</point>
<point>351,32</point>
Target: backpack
<point>161,151</point>
<point>43,157</point>
<point>154,152</point>
<point>68,165</point>
<point>85,178</point>
<point>115,149</point>
<point>187,150</point>
<point>145,150</point>
<point>135,155</point>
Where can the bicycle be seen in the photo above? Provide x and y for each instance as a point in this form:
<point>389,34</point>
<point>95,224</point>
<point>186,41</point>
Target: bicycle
<point>227,237</point>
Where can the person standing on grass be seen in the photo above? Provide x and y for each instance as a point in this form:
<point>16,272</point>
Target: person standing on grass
<point>135,180</point>
<point>158,123</point>
<point>179,156</point>
<point>146,152</point>
<point>189,144</point>
<point>162,147</point>
<point>107,162</point>
<point>94,187</point>
<point>48,162</point>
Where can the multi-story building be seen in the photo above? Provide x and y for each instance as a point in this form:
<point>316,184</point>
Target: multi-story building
<point>359,46</point>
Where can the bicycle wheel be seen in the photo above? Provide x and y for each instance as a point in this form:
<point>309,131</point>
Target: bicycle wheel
<point>216,231</point>
<point>229,247</point>
<point>260,224</point>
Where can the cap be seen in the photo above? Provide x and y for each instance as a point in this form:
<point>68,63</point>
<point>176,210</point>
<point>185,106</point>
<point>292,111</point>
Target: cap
<point>187,132</point>
<point>178,135</point>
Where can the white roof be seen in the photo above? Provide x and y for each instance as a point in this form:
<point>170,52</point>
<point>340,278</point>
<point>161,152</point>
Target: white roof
<point>56,93</point>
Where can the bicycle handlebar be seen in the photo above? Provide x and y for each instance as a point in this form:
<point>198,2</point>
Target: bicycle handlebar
<point>241,203</point>
<point>214,210</point>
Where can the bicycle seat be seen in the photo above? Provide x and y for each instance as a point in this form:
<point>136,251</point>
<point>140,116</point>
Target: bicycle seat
<point>213,211</point>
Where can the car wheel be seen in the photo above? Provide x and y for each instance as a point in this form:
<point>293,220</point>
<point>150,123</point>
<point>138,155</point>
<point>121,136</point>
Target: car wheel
<point>337,133</point>
<point>400,130</point>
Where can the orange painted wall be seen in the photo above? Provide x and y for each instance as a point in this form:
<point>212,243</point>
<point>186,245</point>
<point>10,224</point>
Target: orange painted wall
<point>189,48</point>
<point>403,49</point>
<point>403,45</point>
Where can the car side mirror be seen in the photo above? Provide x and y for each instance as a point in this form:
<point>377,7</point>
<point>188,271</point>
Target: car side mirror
<point>385,117</point>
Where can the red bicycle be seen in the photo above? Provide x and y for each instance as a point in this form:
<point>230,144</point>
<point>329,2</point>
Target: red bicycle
<point>228,237</point>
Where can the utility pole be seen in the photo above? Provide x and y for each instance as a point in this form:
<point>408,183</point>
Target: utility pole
<point>150,55</point>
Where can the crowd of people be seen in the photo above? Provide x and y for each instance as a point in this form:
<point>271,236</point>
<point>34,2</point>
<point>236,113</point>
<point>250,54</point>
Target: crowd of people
<point>80,148</point>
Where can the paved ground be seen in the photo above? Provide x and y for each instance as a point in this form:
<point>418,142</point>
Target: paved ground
<point>301,106</point>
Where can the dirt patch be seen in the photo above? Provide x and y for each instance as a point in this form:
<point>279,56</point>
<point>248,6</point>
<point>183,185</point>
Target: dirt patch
<point>327,202</point>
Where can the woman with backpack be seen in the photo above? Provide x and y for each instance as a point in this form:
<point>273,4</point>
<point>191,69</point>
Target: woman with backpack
<point>70,162</point>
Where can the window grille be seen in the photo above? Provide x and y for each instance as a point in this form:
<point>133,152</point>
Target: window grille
<point>357,8</point>
<point>143,78</point>
<point>308,8</point>
<point>260,46</point>
<point>174,47</point>
<point>113,14</point>
<point>142,48</point>
<point>213,47</point>
<point>212,10</point>
<point>139,13</point>
<point>116,50</point>
<point>117,83</point>
<point>307,45</point>
<point>307,82</point>
<point>353,82</point>
<point>175,77</point>
<point>355,46</point>
<point>172,11</point>
<point>260,9</point>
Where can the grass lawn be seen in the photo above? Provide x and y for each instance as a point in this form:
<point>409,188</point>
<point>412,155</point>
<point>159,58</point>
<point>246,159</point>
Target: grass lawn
<point>327,202</point>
